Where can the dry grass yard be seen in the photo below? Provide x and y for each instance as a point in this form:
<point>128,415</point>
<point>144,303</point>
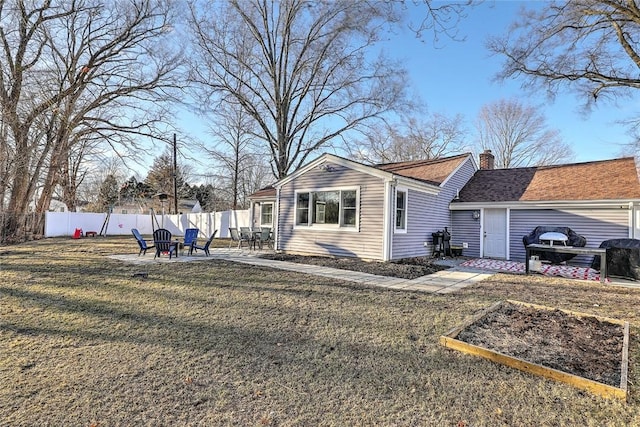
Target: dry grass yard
<point>82,343</point>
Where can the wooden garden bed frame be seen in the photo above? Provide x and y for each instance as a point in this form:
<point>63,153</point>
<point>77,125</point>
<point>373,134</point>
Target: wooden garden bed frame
<point>449,340</point>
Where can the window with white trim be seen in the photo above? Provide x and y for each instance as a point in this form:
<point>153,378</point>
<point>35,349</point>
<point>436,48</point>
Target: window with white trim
<point>331,208</point>
<point>401,211</point>
<point>266,214</point>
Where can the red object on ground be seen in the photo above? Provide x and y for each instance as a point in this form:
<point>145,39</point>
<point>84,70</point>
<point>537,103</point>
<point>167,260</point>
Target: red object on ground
<point>77,234</point>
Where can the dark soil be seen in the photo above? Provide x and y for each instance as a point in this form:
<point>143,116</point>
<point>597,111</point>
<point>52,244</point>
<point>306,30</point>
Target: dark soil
<point>408,268</point>
<point>585,346</point>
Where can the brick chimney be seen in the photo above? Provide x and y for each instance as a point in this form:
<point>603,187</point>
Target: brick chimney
<point>487,160</point>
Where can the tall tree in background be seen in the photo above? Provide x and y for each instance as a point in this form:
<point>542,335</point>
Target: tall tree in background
<point>90,188</point>
<point>518,136</point>
<point>234,150</point>
<point>302,70</point>
<point>108,194</point>
<point>160,177</point>
<point>412,139</point>
<point>588,46</point>
<point>74,67</point>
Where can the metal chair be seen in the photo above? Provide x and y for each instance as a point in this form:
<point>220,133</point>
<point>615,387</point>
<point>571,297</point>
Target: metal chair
<point>265,237</point>
<point>238,237</point>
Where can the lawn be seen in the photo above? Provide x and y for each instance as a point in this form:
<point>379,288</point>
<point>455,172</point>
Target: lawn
<point>82,343</point>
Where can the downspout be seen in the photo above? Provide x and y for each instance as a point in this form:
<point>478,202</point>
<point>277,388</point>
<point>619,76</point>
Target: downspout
<point>276,219</point>
<point>387,242</point>
<point>252,207</point>
<point>508,217</point>
<point>632,221</point>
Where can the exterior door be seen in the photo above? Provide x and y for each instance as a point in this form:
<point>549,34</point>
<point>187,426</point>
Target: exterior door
<point>495,233</point>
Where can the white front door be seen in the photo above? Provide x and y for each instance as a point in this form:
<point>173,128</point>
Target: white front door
<point>495,233</point>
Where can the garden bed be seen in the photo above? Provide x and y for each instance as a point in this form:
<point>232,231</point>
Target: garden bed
<point>588,352</point>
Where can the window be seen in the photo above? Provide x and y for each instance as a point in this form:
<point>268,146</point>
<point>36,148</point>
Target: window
<point>266,213</point>
<point>349,208</point>
<point>328,208</point>
<point>302,209</point>
<point>401,210</point>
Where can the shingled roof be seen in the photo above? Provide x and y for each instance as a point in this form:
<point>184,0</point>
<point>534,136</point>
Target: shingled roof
<point>266,192</point>
<point>615,179</point>
<point>432,171</point>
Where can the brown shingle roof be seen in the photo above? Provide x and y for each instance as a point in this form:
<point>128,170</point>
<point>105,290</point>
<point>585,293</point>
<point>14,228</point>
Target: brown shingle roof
<point>602,180</point>
<point>268,191</point>
<point>432,171</point>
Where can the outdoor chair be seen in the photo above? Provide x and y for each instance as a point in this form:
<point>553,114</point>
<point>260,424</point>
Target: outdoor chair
<point>141,242</point>
<point>190,238</point>
<point>164,244</point>
<point>204,247</point>
<point>237,237</point>
<point>264,237</point>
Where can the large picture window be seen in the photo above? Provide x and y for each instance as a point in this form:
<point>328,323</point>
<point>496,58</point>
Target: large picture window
<point>330,208</point>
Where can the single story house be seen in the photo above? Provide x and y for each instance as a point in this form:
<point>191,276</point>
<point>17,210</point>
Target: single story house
<point>599,200</point>
<point>339,207</point>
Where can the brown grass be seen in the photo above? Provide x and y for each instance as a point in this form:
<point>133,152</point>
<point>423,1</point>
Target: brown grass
<point>216,343</point>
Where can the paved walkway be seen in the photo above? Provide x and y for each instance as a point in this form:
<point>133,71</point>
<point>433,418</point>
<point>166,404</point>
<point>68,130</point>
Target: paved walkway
<point>442,282</point>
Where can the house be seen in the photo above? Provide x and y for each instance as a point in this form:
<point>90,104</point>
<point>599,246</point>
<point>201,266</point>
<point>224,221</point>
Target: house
<point>497,207</point>
<point>339,207</point>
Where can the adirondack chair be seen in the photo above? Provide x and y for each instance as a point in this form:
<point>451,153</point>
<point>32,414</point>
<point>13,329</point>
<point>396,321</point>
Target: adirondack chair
<point>164,244</point>
<point>141,242</point>
<point>190,237</point>
<point>204,247</point>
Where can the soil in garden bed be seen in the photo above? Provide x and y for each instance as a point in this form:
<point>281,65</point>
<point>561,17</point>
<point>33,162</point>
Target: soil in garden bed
<point>583,346</point>
<point>408,268</point>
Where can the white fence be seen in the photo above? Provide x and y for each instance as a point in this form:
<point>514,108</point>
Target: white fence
<point>66,223</point>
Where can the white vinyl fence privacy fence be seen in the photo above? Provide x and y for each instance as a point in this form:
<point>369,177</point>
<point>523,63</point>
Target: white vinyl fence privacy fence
<point>65,223</point>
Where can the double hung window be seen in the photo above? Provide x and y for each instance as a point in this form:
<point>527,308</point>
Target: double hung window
<point>401,211</point>
<point>266,214</point>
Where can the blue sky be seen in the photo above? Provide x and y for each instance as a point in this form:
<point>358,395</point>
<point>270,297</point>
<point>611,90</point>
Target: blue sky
<point>456,77</point>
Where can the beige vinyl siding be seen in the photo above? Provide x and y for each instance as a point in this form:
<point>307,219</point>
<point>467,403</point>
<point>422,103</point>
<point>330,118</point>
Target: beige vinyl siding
<point>428,213</point>
<point>364,241</point>
<point>596,225</point>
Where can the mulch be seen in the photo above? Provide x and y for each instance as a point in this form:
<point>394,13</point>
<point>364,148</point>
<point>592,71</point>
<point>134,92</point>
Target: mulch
<point>407,268</point>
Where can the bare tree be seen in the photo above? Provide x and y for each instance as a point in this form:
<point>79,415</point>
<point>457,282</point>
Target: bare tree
<point>234,151</point>
<point>75,67</point>
<point>441,18</point>
<point>413,139</point>
<point>587,46</point>
<point>518,136</point>
<point>302,70</point>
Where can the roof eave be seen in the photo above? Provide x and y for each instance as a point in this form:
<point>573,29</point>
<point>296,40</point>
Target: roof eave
<point>326,157</point>
<point>460,165</point>
<point>417,185</point>
<point>584,204</point>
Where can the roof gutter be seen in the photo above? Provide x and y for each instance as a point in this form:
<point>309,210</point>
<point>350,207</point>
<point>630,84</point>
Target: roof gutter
<point>581,204</point>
